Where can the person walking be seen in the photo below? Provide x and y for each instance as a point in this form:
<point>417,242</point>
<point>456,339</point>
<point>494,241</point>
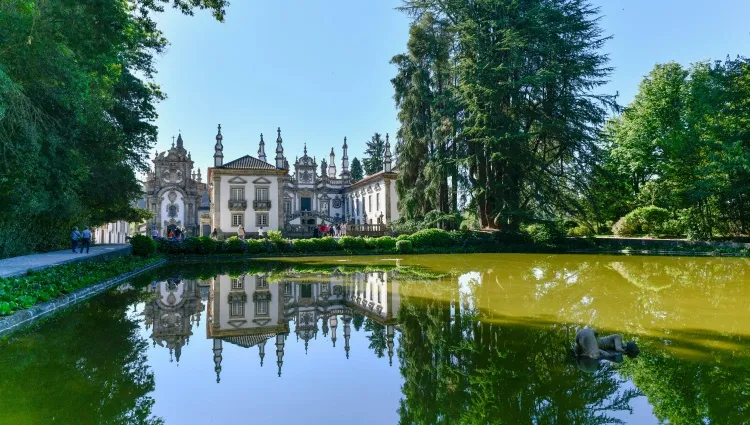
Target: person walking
<point>85,239</point>
<point>154,233</point>
<point>74,237</point>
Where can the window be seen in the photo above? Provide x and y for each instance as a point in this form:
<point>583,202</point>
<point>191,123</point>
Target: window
<point>238,309</point>
<point>369,203</point>
<point>238,283</point>
<point>306,204</point>
<point>261,308</point>
<point>287,207</point>
<point>287,289</point>
<point>261,282</point>
<point>261,220</point>
<point>237,194</point>
<point>377,201</point>
<point>237,220</point>
<point>261,193</point>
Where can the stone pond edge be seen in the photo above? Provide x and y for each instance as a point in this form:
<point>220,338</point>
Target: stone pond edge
<point>28,316</point>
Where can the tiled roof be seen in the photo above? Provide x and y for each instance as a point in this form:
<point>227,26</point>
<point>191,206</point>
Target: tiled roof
<point>248,162</point>
<point>247,341</point>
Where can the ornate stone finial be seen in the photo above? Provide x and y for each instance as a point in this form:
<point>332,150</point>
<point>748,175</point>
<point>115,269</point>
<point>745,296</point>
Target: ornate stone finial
<point>345,146</point>
<point>387,155</point>
<point>179,140</point>
<point>219,149</point>
<point>280,160</point>
<point>262,149</point>
<point>305,149</point>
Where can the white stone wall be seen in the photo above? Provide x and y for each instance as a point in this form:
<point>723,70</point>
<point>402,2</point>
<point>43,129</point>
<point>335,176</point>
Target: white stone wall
<point>366,201</point>
<point>249,320</point>
<point>180,202</point>
<point>111,233</point>
<point>249,214</point>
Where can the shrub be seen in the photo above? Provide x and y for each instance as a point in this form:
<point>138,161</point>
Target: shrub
<point>673,228</point>
<point>370,243</point>
<point>234,245</point>
<point>403,237</point>
<point>326,244</point>
<point>581,232</point>
<point>404,247</point>
<point>626,226</point>
<point>385,243</point>
<point>649,219</point>
<point>305,245</point>
<point>275,236</point>
<point>432,238</point>
<point>253,246</point>
<point>510,237</point>
<point>545,233</point>
<point>352,243</point>
<point>143,246</point>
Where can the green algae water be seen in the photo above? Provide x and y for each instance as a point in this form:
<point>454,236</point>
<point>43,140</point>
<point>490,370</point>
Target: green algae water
<point>455,339</point>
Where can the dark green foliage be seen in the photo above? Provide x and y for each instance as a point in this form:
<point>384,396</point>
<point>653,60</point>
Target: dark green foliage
<point>385,243</point>
<point>18,293</point>
<point>357,172</point>
<point>404,247</point>
<point>326,244</point>
<point>435,238</point>
<point>511,237</point>
<point>545,233</point>
<point>201,245</point>
<point>499,96</point>
<point>78,103</point>
<point>643,220</point>
<point>305,245</point>
<point>235,245</point>
<point>255,246</point>
<point>373,162</point>
<point>143,246</point>
<point>351,243</point>
<point>403,237</point>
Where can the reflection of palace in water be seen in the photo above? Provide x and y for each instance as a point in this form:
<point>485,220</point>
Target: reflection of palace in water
<point>175,306</point>
<point>248,310</point>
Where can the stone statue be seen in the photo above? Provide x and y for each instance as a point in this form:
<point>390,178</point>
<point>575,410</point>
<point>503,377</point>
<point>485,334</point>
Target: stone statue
<point>589,348</point>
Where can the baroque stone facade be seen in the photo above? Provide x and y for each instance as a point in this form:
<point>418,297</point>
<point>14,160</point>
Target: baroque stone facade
<point>261,196</point>
<point>174,192</point>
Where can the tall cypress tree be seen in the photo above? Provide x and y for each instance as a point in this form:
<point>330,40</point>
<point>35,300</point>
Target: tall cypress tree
<point>373,163</point>
<point>526,74</point>
<point>357,173</point>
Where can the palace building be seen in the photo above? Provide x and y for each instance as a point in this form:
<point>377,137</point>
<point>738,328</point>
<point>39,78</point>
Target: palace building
<point>175,193</point>
<point>260,195</point>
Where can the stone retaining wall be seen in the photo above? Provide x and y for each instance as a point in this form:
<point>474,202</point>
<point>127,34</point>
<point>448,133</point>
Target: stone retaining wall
<point>665,244</point>
<point>26,317</point>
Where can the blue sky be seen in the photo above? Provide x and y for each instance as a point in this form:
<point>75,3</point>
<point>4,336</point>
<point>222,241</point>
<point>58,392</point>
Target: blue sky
<point>320,69</point>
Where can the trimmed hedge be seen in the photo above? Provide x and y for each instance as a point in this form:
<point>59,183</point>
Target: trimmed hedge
<point>143,246</point>
<point>431,238</point>
<point>404,247</point>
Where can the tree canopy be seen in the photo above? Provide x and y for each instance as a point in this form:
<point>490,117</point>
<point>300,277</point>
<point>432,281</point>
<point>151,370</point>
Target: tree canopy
<point>375,147</point>
<point>504,93</point>
<point>357,172</point>
<point>77,105</point>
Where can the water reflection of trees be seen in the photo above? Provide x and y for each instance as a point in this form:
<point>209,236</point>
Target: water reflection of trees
<point>490,346</point>
<point>461,369</point>
<point>689,391</point>
<point>96,359</point>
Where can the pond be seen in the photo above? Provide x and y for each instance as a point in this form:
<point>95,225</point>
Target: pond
<point>458,339</point>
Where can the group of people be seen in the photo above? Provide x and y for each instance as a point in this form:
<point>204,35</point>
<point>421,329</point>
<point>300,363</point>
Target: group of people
<point>335,230</point>
<point>242,235</point>
<point>174,234</point>
<point>81,238</point>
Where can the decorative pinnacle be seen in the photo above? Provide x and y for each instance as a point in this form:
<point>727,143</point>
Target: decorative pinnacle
<point>278,131</point>
<point>305,148</point>
<point>219,137</point>
<point>261,138</point>
<point>332,151</point>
